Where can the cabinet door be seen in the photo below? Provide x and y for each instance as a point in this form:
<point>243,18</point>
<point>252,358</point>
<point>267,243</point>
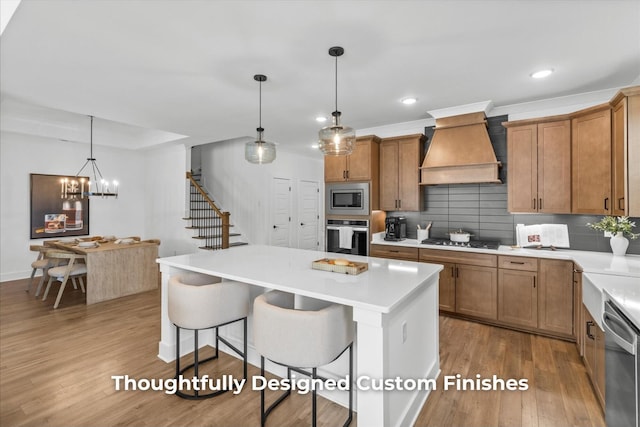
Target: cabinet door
<point>476,291</point>
<point>523,170</point>
<point>554,167</point>
<point>335,168</point>
<point>591,163</point>
<point>619,124</point>
<point>409,174</point>
<point>555,296</point>
<point>359,162</point>
<point>518,297</point>
<point>447,290</point>
<point>389,176</point>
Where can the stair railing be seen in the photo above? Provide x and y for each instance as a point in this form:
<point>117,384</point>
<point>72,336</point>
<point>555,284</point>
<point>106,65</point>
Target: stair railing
<point>209,218</point>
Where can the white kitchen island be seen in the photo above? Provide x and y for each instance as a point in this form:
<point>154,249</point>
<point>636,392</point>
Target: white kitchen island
<point>395,307</point>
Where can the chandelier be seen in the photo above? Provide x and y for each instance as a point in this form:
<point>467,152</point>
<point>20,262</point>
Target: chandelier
<point>96,186</point>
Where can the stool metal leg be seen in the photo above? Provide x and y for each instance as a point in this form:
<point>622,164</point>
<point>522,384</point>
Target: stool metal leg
<point>314,399</point>
<point>195,360</point>
<point>245,349</point>
<point>196,363</point>
<point>177,351</point>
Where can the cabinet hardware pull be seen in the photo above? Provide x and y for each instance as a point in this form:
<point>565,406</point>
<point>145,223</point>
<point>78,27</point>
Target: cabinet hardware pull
<point>533,203</point>
<point>540,203</point>
<point>589,334</point>
<point>621,200</point>
<point>394,251</point>
<point>452,273</point>
<point>400,203</point>
<point>534,281</point>
<point>457,272</point>
<point>606,202</point>
<point>347,174</point>
<point>517,262</point>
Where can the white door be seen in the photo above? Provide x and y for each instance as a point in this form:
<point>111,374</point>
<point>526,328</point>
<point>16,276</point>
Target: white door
<point>308,215</point>
<point>281,212</point>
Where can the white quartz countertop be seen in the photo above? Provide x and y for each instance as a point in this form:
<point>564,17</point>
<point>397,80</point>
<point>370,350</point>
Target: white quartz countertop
<point>624,291</point>
<point>591,262</point>
<point>385,285</point>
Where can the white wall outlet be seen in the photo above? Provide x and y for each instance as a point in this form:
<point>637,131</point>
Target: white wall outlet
<point>404,332</point>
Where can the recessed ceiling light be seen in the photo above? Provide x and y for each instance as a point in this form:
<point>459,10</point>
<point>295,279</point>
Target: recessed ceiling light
<point>321,119</point>
<point>409,100</point>
<point>542,73</point>
<point>314,146</point>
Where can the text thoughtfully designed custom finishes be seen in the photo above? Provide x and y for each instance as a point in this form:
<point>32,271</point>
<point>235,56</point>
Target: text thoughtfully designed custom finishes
<point>305,385</point>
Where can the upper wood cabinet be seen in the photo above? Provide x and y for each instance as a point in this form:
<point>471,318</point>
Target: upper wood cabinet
<point>539,166</point>
<point>591,161</point>
<point>361,165</point>
<point>625,150</point>
<point>400,160</point>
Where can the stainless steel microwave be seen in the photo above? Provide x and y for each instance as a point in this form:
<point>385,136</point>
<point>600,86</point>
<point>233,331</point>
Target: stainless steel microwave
<point>349,198</point>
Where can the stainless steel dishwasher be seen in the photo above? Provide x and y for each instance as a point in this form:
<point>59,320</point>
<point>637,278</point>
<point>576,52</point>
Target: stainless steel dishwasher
<point>622,398</point>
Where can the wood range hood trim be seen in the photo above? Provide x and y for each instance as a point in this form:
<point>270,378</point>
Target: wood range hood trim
<point>460,152</point>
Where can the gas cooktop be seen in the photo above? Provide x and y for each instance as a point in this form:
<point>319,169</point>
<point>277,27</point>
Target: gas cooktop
<point>476,244</point>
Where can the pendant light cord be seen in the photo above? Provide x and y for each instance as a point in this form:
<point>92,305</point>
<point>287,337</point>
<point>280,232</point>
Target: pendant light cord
<point>91,139</point>
<point>336,84</point>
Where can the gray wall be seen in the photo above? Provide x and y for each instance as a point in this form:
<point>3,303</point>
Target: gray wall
<point>481,209</point>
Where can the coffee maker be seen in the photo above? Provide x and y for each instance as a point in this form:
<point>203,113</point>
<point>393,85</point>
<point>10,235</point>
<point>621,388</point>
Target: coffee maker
<point>395,228</point>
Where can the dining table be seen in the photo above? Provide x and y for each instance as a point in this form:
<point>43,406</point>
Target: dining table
<point>115,268</point>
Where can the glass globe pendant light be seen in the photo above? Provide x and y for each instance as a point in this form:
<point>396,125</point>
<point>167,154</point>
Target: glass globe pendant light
<point>336,140</point>
<point>260,151</point>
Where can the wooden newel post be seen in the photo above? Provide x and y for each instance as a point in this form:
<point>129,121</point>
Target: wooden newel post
<point>225,230</point>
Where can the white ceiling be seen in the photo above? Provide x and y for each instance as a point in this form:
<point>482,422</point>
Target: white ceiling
<point>155,71</point>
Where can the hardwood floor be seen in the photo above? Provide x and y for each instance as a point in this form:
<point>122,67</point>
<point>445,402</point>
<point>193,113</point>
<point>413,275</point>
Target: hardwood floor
<point>56,368</point>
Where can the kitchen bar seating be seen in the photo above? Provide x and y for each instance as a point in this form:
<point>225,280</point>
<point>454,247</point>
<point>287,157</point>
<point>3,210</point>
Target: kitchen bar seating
<point>198,301</point>
<point>300,339</point>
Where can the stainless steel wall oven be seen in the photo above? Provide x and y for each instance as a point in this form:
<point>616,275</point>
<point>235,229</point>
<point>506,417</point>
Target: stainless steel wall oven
<point>348,236</point>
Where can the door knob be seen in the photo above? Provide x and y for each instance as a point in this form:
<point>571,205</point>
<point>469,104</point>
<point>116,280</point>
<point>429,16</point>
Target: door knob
<point>302,224</point>
<point>275,226</point>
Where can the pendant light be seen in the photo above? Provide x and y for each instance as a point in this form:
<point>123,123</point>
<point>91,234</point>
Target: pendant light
<point>336,140</point>
<point>99,186</point>
<point>260,151</point>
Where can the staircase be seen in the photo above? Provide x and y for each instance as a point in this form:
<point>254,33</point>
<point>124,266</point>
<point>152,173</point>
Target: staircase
<point>210,225</point>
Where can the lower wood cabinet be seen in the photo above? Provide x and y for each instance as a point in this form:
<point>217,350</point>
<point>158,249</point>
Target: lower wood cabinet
<point>594,354</point>
<point>468,282</point>
<point>447,287</point>
<point>555,296</point>
<point>476,289</point>
<point>518,297</point>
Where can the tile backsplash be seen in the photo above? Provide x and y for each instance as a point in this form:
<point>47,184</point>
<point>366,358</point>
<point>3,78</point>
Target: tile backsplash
<point>481,209</point>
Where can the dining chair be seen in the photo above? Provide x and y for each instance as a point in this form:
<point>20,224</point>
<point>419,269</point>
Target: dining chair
<point>75,268</point>
<point>41,263</point>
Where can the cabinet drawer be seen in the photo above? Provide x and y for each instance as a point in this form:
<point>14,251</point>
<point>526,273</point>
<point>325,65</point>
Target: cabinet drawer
<point>518,263</point>
<point>468,258</point>
<point>394,252</point>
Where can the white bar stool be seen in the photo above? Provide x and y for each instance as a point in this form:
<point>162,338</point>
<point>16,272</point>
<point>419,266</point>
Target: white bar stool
<point>198,301</point>
<point>299,339</point>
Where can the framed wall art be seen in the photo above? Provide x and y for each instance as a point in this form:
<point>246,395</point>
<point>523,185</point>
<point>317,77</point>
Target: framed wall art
<point>58,208</point>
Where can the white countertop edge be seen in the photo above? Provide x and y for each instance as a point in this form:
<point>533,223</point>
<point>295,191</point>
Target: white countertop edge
<point>591,262</point>
<point>178,262</point>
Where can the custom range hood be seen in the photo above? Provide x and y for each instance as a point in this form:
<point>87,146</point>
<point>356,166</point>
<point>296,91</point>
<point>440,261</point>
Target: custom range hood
<point>460,151</point>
